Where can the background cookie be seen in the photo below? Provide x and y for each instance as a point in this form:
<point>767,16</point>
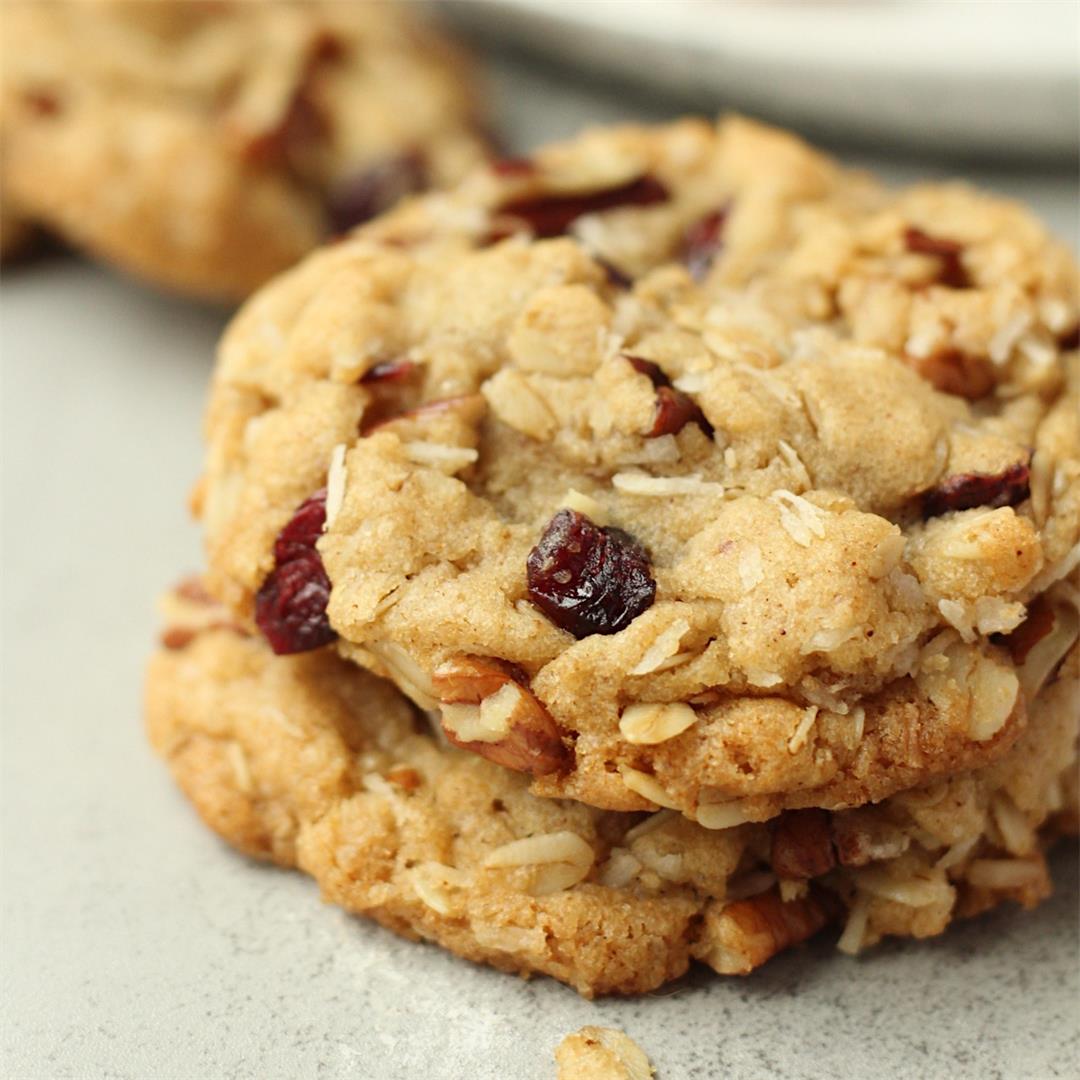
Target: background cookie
<point>720,545</point>
<point>207,146</point>
<point>311,762</point>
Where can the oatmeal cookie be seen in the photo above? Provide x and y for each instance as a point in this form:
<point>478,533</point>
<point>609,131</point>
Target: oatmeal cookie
<point>309,761</point>
<point>721,545</point>
<point>207,146</point>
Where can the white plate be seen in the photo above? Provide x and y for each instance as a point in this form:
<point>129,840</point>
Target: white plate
<point>994,76</point>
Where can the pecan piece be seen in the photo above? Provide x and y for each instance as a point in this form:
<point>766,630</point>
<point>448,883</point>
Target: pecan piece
<point>965,491</point>
<point>741,936</point>
<point>954,372</point>
<point>952,272</point>
<point>802,845</point>
<point>487,709</point>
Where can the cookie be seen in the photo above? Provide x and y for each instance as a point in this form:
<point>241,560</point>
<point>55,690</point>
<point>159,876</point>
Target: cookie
<point>207,146</point>
<point>726,545</point>
<point>310,761</point>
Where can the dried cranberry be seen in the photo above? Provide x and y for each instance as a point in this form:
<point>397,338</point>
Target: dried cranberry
<point>587,579</point>
<point>368,193</point>
<point>290,607</point>
<point>652,371</point>
<point>702,242</point>
<point>968,490</point>
<point>519,166</point>
<point>674,409</point>
<point>952,272</point>
<point>552,215</point>
<point>390,371</point>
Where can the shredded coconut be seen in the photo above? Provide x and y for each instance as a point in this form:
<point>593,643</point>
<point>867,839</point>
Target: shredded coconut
<point>802,730</point>
<point>802,520</point>
<point>440,456</point>
<point>751,572</point>
<point>335,484</point>
<point>664,647</point>
<point>637,483</point>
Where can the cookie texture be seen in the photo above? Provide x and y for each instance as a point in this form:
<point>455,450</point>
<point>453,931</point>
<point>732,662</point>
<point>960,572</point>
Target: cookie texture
<point>310,761</point>
<point>206,146</point>
<point>678,467</point>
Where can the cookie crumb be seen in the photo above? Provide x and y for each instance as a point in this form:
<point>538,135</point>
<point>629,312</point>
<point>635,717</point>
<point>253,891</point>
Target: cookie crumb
<point>597,1053</point>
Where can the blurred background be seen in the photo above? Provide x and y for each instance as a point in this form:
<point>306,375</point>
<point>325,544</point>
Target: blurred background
<point>995,79</point>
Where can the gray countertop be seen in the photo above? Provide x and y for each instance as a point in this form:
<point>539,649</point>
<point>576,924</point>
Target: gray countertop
<point>136,945</point>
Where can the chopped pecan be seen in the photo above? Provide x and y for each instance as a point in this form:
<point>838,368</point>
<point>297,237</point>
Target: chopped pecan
<point>741,936</point>
<point>952,272</point>
<point>954,372</point>
<point>488,709</point>
<point>802,844</point>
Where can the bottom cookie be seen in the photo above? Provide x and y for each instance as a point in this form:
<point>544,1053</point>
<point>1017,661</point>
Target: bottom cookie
<point>309,761</point>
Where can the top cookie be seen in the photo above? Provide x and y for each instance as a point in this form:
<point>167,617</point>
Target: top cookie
<point>725,545</point>
<point>207,146</point>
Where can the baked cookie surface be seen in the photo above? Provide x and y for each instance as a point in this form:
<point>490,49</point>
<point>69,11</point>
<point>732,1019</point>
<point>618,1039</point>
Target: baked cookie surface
<point>311,762</point>
<point>208,146</point>
<point>677,467</point>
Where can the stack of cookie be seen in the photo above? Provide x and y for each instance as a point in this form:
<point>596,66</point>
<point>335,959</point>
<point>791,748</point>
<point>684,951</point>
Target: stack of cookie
<point>659,548</point>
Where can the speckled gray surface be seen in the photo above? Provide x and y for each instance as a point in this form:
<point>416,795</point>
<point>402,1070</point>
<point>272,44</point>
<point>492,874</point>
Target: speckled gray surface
<point>135,945</point>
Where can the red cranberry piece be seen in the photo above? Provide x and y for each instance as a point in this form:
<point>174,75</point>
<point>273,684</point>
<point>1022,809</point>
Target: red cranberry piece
<point>674,409</point>
<point>652,371</point>
<point>952,272</point>
<point>390,371</point>
<point>968,490</point>
<point>368,193</point>
<point>589,580</point>
<point>703,241</point>
<point>552,215</point>
<point>290,607</point>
